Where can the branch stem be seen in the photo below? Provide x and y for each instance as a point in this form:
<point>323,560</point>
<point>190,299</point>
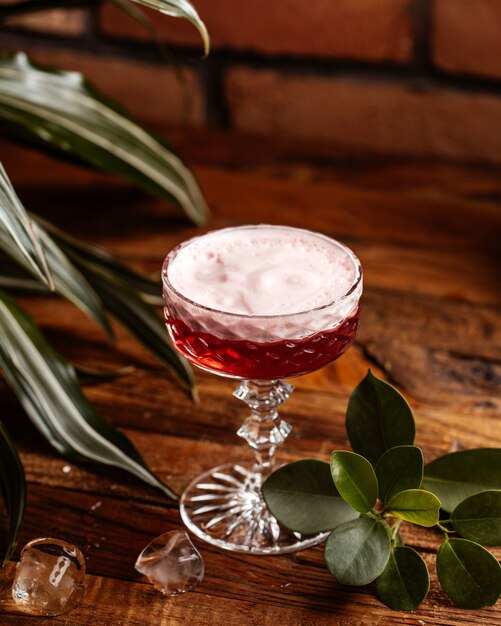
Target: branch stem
<point>395,527</point>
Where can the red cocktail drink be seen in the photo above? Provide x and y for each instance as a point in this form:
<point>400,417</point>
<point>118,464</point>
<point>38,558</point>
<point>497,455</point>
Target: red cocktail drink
<point>245,359</point>
<point>258,304</point>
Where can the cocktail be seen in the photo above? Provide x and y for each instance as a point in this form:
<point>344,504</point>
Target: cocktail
<point>257,304</point>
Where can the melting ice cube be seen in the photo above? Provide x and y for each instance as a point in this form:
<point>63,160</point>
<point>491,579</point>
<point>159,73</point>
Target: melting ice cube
<point>50,577</point>
<point>172,563</point>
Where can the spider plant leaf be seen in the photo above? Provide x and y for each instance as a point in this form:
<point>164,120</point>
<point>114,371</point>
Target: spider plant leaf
<point>13,487</point>
<point>140,319</point>
<point>149,288</point>
<point>174,8</point>
<point>109,279</point>
<point>91,373</point>
<point>120,290</point>
<point>67,113</point>
<point>130,8</point>
<point>68,281</point>
<point>12,276</point>
<point>47,387</point>
<point>183,9</point>
<point>18,235</point>
<point>72,285</point>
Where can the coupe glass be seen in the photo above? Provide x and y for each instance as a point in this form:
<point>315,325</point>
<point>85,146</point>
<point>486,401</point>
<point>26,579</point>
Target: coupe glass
<point>224,506</point>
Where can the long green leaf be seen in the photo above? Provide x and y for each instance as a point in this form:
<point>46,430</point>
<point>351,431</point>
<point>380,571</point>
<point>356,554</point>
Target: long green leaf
<point>139,318</point>
<point>47,387</point>
<point>111,281</point>
<point>12,276</point>
<point>65,111</point>
<point>144,324</point>
<point>174,8</point>
<point>19,237</point>
<point>71,284</point>
<point>180,8</point>
<point>13,487</point>
<point>68,282</point>
<point>100,258</point>
<point>122,290</point>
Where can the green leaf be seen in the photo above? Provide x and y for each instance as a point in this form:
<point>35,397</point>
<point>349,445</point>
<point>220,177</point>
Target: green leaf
<point>149,288</point>
<point>378,418</point>
<point>357,552</point>
<point>468,573</point>
<point>355,480</point>
<point>405,581</point>
<point>66,280</point>
<point>180,8</point>
<point>64,111</point>
<point>302,496</point>
<point>457,475</point>
<point>139,318</point>
<point>47,388</point>
<point>71,284</point>
<point>399,468</point>
<point>109,282</point>
<point>416,506</point>
<point>479,518</point>
<point>110,374</point>
<point>13,487</point>
<point>19,237</point>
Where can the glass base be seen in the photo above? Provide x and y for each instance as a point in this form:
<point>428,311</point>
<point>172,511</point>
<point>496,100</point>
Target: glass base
<point>225,508</point>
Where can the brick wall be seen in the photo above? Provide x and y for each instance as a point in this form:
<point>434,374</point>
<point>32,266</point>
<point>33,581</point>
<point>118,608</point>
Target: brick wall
<point>407,77</point>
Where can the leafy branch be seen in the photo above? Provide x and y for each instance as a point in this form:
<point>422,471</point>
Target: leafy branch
<point>44,382</point>
<point>364,496</point>
<point>65,114</point>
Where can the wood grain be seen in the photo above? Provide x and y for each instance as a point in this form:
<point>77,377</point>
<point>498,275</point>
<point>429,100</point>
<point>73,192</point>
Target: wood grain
<point>428,235</point>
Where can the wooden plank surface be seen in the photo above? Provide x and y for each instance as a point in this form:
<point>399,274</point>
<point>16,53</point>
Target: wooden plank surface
<point>428,236</point>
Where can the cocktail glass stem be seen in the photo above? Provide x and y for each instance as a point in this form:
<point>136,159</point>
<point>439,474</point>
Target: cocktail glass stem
<point>264,429</point>
<point>225,505</point>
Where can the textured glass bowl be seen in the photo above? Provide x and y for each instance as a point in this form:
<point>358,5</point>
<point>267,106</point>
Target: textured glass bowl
<point>224,506</point>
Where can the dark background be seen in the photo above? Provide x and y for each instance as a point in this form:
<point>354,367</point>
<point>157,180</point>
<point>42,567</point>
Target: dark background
<point>408,77</point>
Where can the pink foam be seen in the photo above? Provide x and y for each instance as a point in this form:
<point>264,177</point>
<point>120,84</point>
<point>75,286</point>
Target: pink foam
<point>262,270</point>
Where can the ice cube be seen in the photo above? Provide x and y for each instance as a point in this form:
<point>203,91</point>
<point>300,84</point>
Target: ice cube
<point>50,577</point>
<point>172,563</point>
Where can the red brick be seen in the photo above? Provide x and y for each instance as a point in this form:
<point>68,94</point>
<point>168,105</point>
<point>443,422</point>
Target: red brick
<point>151,93</point>
<point>467,36</point>
<point>367,116</point>
<point>374,30</point>
<point>69,22</point>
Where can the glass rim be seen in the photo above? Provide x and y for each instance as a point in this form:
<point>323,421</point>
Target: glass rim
<point>351,289</point>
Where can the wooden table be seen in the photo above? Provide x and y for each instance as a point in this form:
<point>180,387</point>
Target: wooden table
<point>428,236</point>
